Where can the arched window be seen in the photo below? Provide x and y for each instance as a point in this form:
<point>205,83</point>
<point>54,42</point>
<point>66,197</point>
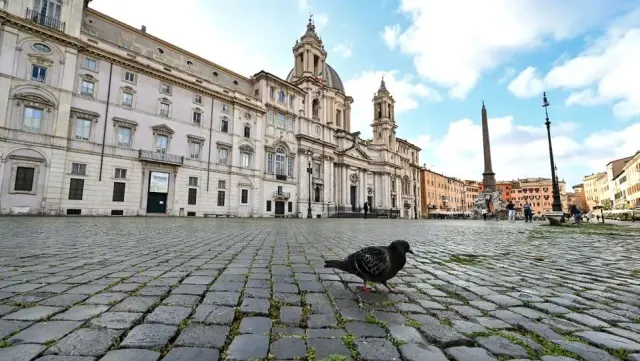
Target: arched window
<point>281,161</point>
<point>315,107</point>
<point>316,196</point>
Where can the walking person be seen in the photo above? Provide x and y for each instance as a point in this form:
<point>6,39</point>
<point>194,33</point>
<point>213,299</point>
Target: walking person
<point>528,214</point>
<point>512,211</point>
<point>484,214</point>
<point>366,209</point>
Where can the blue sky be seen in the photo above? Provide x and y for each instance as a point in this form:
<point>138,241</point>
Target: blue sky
<point>440,63</point>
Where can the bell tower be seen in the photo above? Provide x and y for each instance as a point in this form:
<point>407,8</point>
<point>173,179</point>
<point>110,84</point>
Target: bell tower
<point>309,54</point>
<point>384,124</point>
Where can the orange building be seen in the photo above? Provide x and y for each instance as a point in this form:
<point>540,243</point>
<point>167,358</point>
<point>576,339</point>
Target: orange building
<point>538,192</point>
<point>471,191</point>
<point>581,198</point>
<point>440,192</point>
<point>504,186</point>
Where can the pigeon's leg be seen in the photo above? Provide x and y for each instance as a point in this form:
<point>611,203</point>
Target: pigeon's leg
<point>364,287</point>
<point>389,288</point>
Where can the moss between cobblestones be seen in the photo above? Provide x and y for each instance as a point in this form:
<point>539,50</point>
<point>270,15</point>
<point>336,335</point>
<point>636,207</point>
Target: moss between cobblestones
<point>349,341</point>
<point>463,259</point>
<point>4,344</point>
<point>412,323</point>
<point>372,320</point>
<point>49,343</point>
<point>635,273</point>
<point>311,354</point>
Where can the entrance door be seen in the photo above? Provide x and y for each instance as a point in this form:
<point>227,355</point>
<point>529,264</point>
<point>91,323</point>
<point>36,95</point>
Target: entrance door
<point>158,191</point>
<point>370,201</point>
<point>279,209</point>
<point>354,197</point>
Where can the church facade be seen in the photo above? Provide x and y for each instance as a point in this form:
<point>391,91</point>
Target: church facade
<point>99,118</point>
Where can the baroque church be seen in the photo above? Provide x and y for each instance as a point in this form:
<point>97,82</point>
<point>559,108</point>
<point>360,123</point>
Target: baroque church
<point>383,171</point>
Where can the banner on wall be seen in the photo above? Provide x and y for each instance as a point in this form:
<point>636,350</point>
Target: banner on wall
<point>159,182</point>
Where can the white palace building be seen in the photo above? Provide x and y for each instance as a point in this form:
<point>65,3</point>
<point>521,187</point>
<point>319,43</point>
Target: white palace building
<point>99,118</point>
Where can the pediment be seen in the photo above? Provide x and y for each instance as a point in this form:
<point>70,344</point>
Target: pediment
<point>357,153</point>
<point>39,59</point>
<point>34,98</point>
<point>162,129</point>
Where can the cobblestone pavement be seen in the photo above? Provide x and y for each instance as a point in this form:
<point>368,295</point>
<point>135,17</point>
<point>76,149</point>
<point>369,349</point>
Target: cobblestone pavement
<point>138,289</point>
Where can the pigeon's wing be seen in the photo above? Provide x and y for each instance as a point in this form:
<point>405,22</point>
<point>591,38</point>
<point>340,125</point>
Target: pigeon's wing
<point>369,262</point>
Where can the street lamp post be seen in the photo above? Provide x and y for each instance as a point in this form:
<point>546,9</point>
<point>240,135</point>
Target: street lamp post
<point>310,171</point>
<point>556,216</point>
<point>415,197</point>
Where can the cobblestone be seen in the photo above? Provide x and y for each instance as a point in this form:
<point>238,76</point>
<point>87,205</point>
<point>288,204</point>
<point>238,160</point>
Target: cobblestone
<point>186,289</point>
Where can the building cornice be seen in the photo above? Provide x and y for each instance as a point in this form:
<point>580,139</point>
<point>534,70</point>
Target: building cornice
<point>283,83</point>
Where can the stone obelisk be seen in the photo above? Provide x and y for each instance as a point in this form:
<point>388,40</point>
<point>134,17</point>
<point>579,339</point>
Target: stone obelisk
<point>488,177</point>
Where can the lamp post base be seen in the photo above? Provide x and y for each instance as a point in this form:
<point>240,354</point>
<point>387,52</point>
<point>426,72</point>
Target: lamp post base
<point>309,213</point>
<point>555,218</point>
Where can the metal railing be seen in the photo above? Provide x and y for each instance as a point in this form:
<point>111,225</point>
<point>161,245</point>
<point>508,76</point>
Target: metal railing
<point>45,21</point>
<point>279,194</point>
<point>158,157</point>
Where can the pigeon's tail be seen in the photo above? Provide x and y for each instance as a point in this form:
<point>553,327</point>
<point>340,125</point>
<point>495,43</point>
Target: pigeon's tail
<point>336,263</point>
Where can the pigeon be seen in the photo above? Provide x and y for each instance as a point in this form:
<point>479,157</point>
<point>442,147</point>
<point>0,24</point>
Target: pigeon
<point>376,263</point>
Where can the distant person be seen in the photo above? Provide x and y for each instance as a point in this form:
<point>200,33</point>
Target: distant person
<point>577,215</point>
<point>484,214</point>
<point>366,209</point>
<point>528,213</point>
<point>512,211</point>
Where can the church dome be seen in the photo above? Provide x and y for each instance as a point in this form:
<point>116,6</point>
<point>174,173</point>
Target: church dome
<point>330,75</point>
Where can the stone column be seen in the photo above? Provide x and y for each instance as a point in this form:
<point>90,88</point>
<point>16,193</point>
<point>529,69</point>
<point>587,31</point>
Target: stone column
<point>8,51</point>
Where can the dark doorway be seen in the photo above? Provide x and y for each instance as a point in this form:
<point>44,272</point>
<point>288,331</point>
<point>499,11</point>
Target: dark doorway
<point>279,209</point>
<point>158,192</point>
<point>370,201</point>
<point>354,197</point>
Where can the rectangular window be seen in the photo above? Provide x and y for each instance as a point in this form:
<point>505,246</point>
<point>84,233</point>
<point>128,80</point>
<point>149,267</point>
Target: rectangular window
<point>316,170</point>
<point>83,129</point>
<point>127,99</point>
<point>161,143</point>
<point>195,148</point>
<point>222,184</point>
<point>223,154</point>
<point>165,88</point>
<point>281,120</point>
<point>38,73</point>
<point>193,195</point>
<point>197,118</point>
<point>281,96</point>
<point>120,173</point>
<point>247,132</point>
<point>24,179</point>
<point>290,124</point>
<point>290,167</point>
<point>225,108</point>
<point>193,181</point>
<point>244,160</point>
<point>87,87</point>
<point>272,92</point>
<point>78,168</point>
<point>90,64</point>
<point>118,191</point>
<point>270,162</point>
<point>124,137</point>
<point>291,98</point>
<point>268,206</point>
<point>221,198</point>
<point>76,188</point>
<point>244,197</point>
<point>164,109</point>
<point>289,207</point>
<point>224,127</point>
<point>32,119</point>
<point>270,117</point>
<point>197,98</point>
<point>129,77</point>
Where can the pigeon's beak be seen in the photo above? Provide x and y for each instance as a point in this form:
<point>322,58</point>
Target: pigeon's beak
<point>410,251</point>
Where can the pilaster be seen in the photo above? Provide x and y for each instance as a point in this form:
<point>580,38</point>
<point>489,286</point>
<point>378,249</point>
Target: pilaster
<point>7,58</point>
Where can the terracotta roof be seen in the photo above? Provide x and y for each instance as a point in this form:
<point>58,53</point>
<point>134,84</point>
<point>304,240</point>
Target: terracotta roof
<point>617,165</point>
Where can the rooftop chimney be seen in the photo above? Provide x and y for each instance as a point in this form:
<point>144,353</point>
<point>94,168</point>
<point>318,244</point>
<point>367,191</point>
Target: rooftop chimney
<point>144,28</point>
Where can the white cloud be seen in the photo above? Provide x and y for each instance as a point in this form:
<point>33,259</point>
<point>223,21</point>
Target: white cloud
<point>303,5</point>
<point>508,74</point>
<point>606,71</point>
<point>453,42</point>
<point>527,84</point>
<point>522,151</point>
<point>187,19</point>
<point>320,20</point>
<point>406,91</point>
<point>344,49</point>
